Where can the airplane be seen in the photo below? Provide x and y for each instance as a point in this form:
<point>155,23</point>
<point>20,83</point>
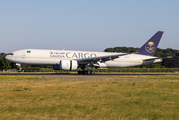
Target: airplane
<point>71,60</point>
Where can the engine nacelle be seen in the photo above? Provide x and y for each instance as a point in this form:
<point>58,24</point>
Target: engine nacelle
<point>66,65</point>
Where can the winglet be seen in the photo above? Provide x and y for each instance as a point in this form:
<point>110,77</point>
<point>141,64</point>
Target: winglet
<point>150,46</point>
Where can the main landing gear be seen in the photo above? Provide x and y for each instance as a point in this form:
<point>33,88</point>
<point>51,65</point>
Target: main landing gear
<point>86,72</point>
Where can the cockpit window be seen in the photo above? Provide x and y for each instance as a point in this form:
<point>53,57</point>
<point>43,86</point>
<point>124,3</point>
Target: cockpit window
<point>10,54</point>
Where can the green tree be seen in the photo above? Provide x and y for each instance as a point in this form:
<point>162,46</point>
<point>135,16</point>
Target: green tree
<point>4,64</point>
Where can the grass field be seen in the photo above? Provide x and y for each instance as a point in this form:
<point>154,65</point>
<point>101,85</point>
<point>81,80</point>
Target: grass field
<point>104,97</point>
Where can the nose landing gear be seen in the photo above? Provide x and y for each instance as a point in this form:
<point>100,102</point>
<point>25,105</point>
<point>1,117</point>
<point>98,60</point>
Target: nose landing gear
<point>19,66</point>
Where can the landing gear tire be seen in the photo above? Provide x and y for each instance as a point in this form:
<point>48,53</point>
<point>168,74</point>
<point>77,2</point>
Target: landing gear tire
<point>86,72</point>
<point>91,72</point>
<point>20,70</point>
<point>80,72</point>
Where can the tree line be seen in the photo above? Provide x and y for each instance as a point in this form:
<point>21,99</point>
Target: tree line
<point>166,63</point>
<point>5,64</point>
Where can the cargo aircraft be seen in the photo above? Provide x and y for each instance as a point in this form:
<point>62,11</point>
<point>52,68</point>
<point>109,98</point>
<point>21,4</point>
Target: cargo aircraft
<point>71,60</point>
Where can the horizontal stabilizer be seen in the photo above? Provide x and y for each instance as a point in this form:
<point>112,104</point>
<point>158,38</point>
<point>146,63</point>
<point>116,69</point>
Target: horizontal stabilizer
<point>158,58</point>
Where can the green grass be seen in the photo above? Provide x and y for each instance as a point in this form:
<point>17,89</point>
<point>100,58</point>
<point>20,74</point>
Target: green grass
<point>106,97</point>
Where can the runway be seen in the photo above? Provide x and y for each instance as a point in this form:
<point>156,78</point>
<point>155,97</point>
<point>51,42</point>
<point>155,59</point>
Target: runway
<point>77,75</point>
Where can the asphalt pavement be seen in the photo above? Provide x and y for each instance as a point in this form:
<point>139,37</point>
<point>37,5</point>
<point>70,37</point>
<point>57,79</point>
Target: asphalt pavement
<point>75,74</point>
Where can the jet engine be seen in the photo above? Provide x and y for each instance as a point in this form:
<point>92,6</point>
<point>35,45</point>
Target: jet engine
<point>66,65</point>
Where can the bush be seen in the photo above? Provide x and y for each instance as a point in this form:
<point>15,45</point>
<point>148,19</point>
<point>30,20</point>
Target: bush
<point>31,69</point>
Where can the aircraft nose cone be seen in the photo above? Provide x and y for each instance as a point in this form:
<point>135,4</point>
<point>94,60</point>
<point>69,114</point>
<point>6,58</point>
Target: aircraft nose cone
<point>7,57</point>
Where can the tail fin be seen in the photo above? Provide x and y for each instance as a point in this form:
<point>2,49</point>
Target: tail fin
<point>150,46</point>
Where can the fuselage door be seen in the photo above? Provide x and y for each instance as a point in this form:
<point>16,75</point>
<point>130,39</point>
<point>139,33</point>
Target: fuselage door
<point>23,55</point>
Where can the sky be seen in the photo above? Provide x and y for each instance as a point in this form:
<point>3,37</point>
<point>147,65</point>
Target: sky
<point>86,25</point>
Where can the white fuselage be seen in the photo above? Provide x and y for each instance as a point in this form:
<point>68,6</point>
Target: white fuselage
<point>53,57</point>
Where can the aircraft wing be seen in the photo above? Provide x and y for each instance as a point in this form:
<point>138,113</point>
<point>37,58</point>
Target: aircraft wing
<point>101,58</point>
<point>158,58</point>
